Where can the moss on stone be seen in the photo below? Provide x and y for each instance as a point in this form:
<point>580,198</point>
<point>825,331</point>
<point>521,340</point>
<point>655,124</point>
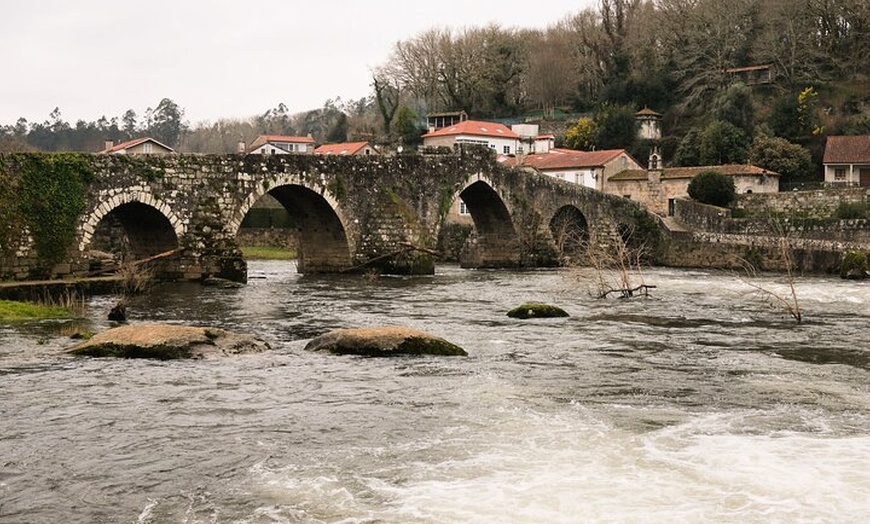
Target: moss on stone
<point>856,265</point>
<point>383,342</point>
<point>537,310</point>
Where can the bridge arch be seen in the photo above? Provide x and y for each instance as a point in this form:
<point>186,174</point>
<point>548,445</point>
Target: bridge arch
<point>495,242</point>
<point>148,225</point>
<point>324,244</point>
<point>570,230</point>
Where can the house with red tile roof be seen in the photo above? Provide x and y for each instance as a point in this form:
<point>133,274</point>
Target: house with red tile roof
<point>137,146</point>
<point>658,188</point>
<point>496,136</point>
<point>587,168</point>
<point>346,149</point>
<point>281,145</point>
<point>847,160</point>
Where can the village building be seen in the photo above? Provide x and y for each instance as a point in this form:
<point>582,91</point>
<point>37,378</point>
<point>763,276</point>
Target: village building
<point>586,168</point>
<point>497,137</point>
<point>137,146</point>
<point>847,161</point>
<point>649,124</point>
<point>347,149</point>
<point>281,145</point>
<point>658,188</point>
<point>435,121</point>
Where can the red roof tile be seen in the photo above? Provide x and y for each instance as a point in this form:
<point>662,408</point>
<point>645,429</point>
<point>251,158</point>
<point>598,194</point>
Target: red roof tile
<point>282,138</point>
<point>346,148</point>
<point>566,159</point>
<point>476,128</point>
<point>133,143</point>
<point>847,150</point>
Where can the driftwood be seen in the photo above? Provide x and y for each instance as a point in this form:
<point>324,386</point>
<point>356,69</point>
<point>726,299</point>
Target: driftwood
<point>406,248</point>
<point>114,269</point>
<point>628,292</point>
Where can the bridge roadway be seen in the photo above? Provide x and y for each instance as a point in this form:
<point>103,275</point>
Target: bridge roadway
<point>353,213</point>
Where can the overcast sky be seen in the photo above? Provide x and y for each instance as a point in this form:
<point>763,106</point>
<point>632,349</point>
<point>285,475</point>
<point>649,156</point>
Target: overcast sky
<point>217,58</point>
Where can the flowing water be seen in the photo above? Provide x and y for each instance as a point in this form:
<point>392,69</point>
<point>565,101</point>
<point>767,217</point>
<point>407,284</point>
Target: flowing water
<point>700,404</point>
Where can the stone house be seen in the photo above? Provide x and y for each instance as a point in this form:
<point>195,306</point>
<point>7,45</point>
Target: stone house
<point>586,168</point>
<point>658,188</point>
<point>137,146</point>
<point>347,149</point>
<point>847,161</point>
<point>281,145</point>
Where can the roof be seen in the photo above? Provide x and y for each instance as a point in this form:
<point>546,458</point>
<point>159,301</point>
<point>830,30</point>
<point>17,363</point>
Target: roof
<point>566,159</point>
<point>476,128</point>
<point>647,112</point>
<point>133,143</point>
<point>345,148</point>
<point>268,139</point>
<point>847,150</point>
<point>689,172</point>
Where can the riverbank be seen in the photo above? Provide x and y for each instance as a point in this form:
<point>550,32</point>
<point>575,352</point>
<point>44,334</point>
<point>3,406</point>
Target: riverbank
<point>48,290</point>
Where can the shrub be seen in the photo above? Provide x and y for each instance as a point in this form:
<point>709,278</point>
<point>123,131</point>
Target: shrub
<point>851,210</point>
<point>712,187</point>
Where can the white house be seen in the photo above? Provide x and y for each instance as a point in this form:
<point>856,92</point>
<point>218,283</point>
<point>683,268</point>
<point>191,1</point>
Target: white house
<point>495,136</point>
<point>137,146</point>
<point>281,145</point>
<point>531,141</point>
<point>586,168</point>
<point>847,160</point>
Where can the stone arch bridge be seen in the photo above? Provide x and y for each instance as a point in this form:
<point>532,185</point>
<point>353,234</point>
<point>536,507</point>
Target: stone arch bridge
<point>353,213</point>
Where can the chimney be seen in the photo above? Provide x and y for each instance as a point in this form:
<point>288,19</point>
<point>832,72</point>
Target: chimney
<point>109,144</point>
<point>240,148</point>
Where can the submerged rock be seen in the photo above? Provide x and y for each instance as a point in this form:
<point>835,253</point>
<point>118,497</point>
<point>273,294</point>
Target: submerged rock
<point>383,342</point>
<point>536,310</point>
<point>167,342</point>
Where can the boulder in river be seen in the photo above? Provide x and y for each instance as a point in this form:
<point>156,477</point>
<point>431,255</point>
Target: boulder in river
<point>536,310</point>
<point>383,342</point>
<point>167,342</point>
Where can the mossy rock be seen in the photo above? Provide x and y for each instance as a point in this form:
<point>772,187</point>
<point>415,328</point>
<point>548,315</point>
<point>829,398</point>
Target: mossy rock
<point>537,310</point>
<point>166,342</point>
<point>383,342</point>
<point>856,265</point>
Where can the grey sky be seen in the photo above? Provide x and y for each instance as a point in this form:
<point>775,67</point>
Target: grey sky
<point>217,58</point>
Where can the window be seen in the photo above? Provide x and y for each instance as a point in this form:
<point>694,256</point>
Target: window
<point>463,209</point>
<point>506,150</point>
<point>840,174</point>
<point>146,148</point>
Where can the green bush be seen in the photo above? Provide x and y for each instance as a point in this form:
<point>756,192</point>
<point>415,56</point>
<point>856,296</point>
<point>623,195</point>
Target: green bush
<point>851,210</point>
<point>714,188</point>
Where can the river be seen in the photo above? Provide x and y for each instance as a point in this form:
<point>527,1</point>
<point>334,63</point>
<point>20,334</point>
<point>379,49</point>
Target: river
<point>702,403</point>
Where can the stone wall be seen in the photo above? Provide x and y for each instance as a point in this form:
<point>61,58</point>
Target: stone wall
<point>809,204</point>
<point>814,244</point>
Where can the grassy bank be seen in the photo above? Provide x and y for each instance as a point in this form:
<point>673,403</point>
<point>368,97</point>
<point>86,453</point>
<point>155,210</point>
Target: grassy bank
<point>11,311</point>
<point>268,253</point>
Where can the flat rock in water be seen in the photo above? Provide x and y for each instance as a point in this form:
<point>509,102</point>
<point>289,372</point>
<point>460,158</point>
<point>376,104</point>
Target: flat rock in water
<point>167,342</point>
<point>383,342</point>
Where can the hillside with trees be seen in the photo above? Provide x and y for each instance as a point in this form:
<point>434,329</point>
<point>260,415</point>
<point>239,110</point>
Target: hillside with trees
<point>697,62</point>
